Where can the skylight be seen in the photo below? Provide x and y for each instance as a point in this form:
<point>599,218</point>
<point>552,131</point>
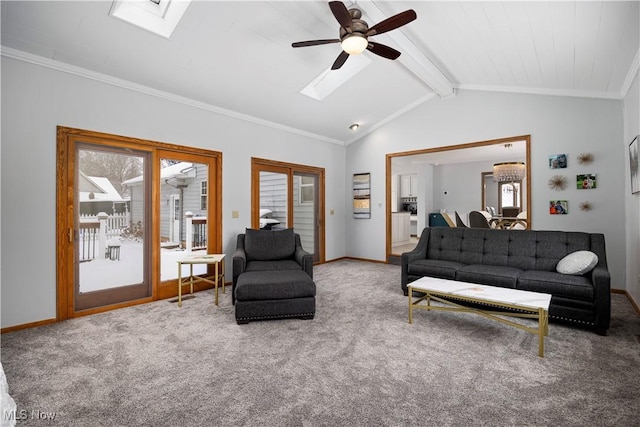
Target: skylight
<point>330,80</point>
<point>158,16</point>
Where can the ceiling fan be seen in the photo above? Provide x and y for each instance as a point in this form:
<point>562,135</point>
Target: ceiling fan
<point>355,33</point>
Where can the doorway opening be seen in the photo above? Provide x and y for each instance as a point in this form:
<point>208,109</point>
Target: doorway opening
<point>440,181</point>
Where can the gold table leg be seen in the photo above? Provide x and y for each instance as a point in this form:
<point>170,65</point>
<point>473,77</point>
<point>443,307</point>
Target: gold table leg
<point>543,329</point>
<point>410,294</point>
<point>191,277</point>
<point>179,284</point>
<point>216,281</point>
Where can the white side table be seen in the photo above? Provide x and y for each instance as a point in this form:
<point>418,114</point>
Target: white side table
<point>215,259</point>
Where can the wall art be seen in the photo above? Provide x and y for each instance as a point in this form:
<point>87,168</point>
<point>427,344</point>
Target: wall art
<point>586,181</point>
<point>557,182</point>
<point>558,161</point>
<point>362,195</point>
<point>586,206</point>
<point>585,158</point>
<point>558,207</point>
<point>633,164</point>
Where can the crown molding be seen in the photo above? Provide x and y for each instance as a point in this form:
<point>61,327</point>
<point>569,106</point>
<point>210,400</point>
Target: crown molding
<point>633,72</point>
<point>19,55</point>
<point>542,91</point>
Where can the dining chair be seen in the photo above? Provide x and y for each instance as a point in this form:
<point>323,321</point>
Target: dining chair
<point>478,220</point>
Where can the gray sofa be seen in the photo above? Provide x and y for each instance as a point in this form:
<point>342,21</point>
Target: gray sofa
<point>519,259</point>
<point>272,276</point>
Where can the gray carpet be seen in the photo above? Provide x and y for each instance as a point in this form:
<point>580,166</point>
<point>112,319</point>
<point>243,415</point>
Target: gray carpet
<point>357,363</point>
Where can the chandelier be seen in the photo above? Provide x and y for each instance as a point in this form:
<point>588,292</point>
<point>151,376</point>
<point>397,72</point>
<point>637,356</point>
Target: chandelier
<point>508,171</point>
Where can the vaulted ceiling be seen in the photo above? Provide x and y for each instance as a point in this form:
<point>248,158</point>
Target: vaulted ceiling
<point>235,57</point>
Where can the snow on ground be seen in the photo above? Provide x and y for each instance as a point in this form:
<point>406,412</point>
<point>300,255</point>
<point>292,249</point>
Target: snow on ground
<point>102,273</point>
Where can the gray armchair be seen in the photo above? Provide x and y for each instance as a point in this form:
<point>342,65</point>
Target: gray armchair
<point>272,276</point>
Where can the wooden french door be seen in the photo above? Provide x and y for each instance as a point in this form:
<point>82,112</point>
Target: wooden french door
<point>123,205</point>
<point>286,195</point>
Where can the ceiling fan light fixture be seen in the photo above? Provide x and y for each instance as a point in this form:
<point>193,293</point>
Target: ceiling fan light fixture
<point>354,43</point>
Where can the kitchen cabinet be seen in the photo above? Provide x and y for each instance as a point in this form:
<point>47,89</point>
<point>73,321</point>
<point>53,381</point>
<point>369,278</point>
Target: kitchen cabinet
<point>408,185</point>
<point>394,193</point>
<point>400,228</point>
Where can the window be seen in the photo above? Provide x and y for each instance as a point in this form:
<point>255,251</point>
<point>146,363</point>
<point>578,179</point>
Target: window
<point>306,189</point>
<point>203,195</point>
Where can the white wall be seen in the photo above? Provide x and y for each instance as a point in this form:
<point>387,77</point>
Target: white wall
<point>36,99</point>
<point>462,183</point>
<point>556,125</point>
<point>632,202</point>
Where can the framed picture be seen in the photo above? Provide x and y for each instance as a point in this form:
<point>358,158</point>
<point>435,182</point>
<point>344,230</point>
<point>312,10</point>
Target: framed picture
<point>558,207</point>
<point>361,196</point>
<point>633,164</point>
<point>558,161</point>
<point>586,181</point>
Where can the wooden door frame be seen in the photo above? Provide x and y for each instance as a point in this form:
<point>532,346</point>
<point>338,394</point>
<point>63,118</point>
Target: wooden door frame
<point>66,138</point>
<point>388,171</point>
<point>258,165</point>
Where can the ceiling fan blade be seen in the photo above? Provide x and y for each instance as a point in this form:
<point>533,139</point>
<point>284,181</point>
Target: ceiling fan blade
<point>340,60</point>
<point>383,50</point>
<point>341,14</point>
<point>393,22</point>
<point>314,42</point>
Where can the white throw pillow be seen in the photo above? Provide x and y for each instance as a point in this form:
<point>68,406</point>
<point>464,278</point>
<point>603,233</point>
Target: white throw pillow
<point>577,263</point>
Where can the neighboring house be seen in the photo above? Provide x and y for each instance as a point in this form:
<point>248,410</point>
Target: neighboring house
<point>183,189</point>
<point>97,194</point>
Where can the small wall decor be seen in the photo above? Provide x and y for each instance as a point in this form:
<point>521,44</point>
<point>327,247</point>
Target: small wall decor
<point>361,196</point>
<point>558,207</point>
<point>586,181</point>
<point>585,158</point>
<point>633,165</point>
<point>585,206</point>
<point>558,161</point>
<point>557,182</point>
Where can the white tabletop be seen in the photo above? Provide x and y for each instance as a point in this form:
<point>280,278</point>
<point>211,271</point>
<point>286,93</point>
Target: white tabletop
<point>202,259</point>
<point>483,292</point>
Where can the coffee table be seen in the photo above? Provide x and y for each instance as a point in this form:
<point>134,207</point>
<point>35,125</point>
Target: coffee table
<point>527,304</point>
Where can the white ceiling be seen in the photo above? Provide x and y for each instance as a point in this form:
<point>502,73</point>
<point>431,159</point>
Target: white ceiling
<point>235,57</point>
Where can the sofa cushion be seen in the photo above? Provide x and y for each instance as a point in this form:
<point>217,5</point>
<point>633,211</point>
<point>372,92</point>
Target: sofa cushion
<point>435,268</point>
<point>577,263</point>
<point>266,245</point>
<point>492,275</point>
<point>265,285</point>
<point>279,265</point>
<point>561,285</point>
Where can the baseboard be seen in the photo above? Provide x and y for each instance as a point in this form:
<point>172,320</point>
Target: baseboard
<point>27,325</point>
<point>633,302</point>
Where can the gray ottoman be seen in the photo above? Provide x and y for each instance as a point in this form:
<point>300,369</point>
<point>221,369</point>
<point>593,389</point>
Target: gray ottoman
<point>262,295</point>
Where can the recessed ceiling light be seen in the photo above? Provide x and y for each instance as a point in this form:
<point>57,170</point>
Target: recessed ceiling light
<point>354,127</point>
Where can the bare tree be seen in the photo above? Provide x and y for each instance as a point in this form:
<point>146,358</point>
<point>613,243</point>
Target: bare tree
<point>116,167</point>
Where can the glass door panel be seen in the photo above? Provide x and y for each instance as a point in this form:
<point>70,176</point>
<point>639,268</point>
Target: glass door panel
<point>111,246</point>
<point>273,200</point>
<point>305,201</point>
<point>183,215</point>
